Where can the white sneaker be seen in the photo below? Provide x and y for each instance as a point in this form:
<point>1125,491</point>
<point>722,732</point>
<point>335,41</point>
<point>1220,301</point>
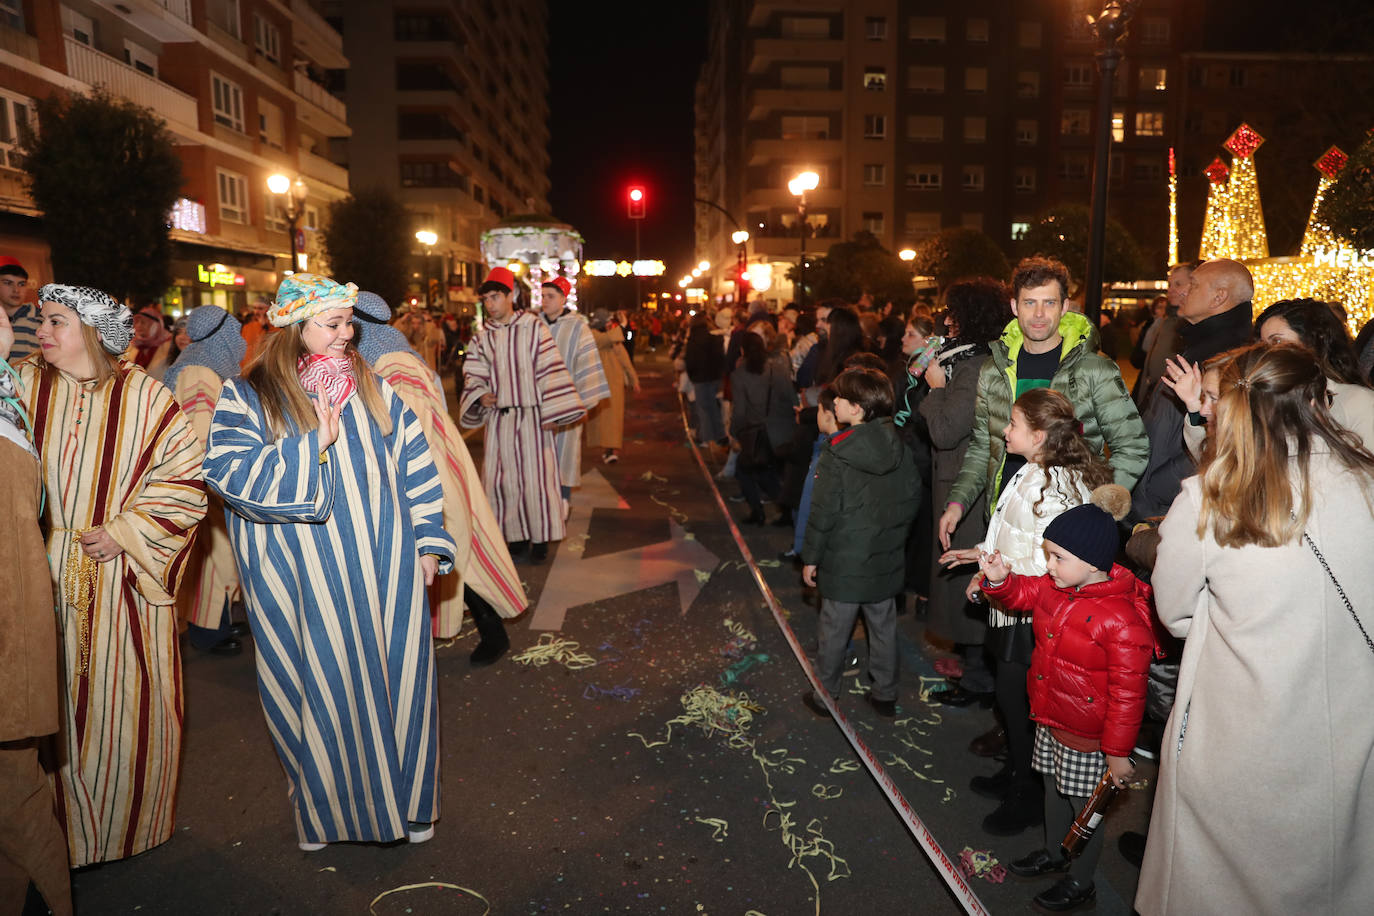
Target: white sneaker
<point>423,835</point>
<point>311,847</point>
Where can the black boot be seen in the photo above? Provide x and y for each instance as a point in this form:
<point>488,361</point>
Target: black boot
<point>490,627</point>
<point>1023,807</point>
<point>995,786</point>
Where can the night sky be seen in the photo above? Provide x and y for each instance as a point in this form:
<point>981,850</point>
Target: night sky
<point>621,83</point>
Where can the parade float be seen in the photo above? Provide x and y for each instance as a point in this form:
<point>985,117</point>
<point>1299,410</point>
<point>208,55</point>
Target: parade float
<point>535,247</point>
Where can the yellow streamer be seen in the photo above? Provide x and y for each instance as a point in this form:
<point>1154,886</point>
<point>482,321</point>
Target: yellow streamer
<point>826,792</point>
<point>844,765</point>
<point>550,648</point>
<point>372,907</point>
<point>722,827</point>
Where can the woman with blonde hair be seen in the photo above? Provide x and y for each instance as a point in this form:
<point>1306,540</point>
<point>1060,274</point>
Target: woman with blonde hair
<point>1265,802</point>
<point>336,516</point>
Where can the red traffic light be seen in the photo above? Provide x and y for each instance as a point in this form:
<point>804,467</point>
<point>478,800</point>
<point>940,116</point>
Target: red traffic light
<point>636,203</point>
<point>636,194</point>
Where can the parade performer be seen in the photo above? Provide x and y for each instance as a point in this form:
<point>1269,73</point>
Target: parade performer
<point>579,351</point>
<point>212,357</point>
<point>121,467</point>
<point>336,516</point>
<point>606,422</point>
<point>516,385</point>
<point>486,576</point>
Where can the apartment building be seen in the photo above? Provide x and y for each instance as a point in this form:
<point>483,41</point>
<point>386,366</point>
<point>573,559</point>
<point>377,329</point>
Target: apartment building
<point>448,101</point>
<point>240,85</point>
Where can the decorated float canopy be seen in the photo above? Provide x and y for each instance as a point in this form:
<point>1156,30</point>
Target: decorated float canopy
<point>537,247</point>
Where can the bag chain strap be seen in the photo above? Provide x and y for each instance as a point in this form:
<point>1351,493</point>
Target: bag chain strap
<point>1340,591</point>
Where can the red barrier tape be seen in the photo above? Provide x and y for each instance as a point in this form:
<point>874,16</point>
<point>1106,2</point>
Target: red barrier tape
<point>946,866</point>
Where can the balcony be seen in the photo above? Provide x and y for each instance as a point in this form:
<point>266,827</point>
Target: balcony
<point>20,43</point>
<point>96,69</point>
<point>323,112</point>
<point>762,151</point>
<point>322,170</point>
<point>762,10</point>
<point>766,51</point>
<point>315,38</point>
<point>763,101</point>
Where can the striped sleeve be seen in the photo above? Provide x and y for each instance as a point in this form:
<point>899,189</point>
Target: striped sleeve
<point>588,375</point>
<point>477,381</point>
<point>25,323</point>
<point>420,480</point>
<point>558,400</point>
<point>263,480</point>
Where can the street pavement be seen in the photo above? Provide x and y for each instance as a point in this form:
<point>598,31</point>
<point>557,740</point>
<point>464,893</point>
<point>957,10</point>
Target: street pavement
<point>663,764</point>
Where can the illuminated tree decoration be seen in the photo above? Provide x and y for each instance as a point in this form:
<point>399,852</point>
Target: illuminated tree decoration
<point>1248,236</point>
<point>1216,224</point>
<point>1318,234</point>
<point>1173,209</point>
<point>1243,142</point>
<point>1331,162</point>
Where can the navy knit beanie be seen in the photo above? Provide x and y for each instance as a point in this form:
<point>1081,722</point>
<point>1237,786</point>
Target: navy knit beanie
<point>1089,531</point>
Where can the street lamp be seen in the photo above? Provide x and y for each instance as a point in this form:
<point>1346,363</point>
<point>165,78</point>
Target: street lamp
<point>907,254</point>
<point>1110,26</point>
<point>427,238</point>
<point>294,193</point>
<point>799,185</point>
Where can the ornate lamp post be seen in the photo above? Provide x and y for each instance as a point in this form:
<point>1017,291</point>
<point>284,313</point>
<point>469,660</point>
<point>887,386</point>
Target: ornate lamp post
<point>799,185</point>
<point>294,194</point>
<point>428,238</point>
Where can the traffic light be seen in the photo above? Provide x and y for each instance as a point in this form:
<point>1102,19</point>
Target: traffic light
<point>636,203</point>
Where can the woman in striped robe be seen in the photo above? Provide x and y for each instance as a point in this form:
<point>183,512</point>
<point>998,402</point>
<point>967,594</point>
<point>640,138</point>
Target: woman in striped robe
<point>336,516</point>
<point>486,577</point>
<point>121,467</point>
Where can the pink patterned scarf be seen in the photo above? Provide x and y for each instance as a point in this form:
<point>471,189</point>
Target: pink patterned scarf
<point>336,372</point>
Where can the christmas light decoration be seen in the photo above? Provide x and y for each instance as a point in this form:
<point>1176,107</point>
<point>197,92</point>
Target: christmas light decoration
<point>1217,240</point>
<point>1173,209</point>
<point>1318,234</point>
<point>1248,236</point>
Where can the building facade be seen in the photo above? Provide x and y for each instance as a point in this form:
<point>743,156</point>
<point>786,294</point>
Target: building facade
<point>240,86</point>
<point>448,102</point>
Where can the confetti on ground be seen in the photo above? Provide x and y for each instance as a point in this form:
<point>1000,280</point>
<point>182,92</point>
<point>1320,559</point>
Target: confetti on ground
<point>702,576</point>
<point>576,544</point>
<point>449,643</point>
<point>651,477</point>
<point>550,648</point>
<point>981,863</point>
<point>931,685</point>
<point>621,692</point>
<point>722,828</point>
<point>826,792</point>
<point>844,765</point>
<point>372,907</point>
<point>736,671</point>
<point>770,564</point>
<point>949,796</point>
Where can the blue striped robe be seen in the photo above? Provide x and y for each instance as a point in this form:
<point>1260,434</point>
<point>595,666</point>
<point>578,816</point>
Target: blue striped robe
<point>577,346</point>
<point>328,555</point>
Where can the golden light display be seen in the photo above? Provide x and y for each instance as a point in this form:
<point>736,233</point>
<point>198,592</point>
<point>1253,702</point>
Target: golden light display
<point>1324,269</point>
<point>1173,209</point>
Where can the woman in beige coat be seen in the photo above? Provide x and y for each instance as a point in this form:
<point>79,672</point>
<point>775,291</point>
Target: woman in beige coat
<point>1265,802</point>
<point>606,421</point>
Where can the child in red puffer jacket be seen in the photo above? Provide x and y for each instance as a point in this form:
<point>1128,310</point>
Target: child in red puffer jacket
<point>1093,642</point>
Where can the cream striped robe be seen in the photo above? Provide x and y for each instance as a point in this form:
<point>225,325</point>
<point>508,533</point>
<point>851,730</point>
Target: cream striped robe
<point>519,363</point>
<point>119,455</point>
<point>483,560</point>
<point>576,345</point>
<point>328,553</point>
<point>213,580</point>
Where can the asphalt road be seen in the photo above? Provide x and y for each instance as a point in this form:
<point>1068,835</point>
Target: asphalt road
<point>574,790</point>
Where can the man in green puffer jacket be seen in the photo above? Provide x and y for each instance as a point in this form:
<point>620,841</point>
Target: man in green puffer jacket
<point>862,505</point>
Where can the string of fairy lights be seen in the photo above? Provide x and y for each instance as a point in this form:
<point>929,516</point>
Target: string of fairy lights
<point>1233,227</point>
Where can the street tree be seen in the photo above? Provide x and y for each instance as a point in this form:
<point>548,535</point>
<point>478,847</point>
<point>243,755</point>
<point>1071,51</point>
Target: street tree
<point>368,242</point>
<point>105,174</point>
<point>956,254</point>
<point>1348,205</point>
<point>861,265</point>
<point>1062,233</point>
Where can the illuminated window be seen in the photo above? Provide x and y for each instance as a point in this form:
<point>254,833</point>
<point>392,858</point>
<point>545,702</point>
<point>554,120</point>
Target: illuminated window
<point>1149,123</point>
<point>1019,230</point>
<point>1154,79</point>
<point>1118,125</point>
<point>875,78</point>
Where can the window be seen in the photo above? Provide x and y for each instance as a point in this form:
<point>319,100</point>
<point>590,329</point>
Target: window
<point>875,126</point>
<point>1027,84</point>
<point>927,177</point>
<point>266,39</point>
<point>271,128</point>
<point>1020,229</point>
<point>275,214</point>
<point>927,29</point>
<point>78,26</point>
<point>875,176</point>
<point>976,79</point>
<point>975,129</point>
<point>1118,125</point>
<point>1147,170</point>
<point>919,224</point>
<point>1236,78</point>
<point>875,28</point>
<point>1154,79</point>
<point>1078,76</point>
<point>804,77</point>
<point>227,100</point>
<point>1149,123</point>
<point>1075,122</point>
<point>873,222</point>
<point>925,128</point>
<point>12,14</point>
<point>422,174</point>
<point>16,111</point>
<point>1073,167</point>
<point>1028,34</point>
<point>805,127</point>
<point>233,196</point>
<point>1154,30</point>
<point>925,79</point>
<point>478,194</point>
<point>973,178</point>
<point>971,221</point>
<point>875,78</point>
<point>805,27</point>
<point>1027,132</point>
<point>228,18</point>
<point>976,31</point>
<point>1024,178</point>
<point>312,218</point>
<point>140,58</point>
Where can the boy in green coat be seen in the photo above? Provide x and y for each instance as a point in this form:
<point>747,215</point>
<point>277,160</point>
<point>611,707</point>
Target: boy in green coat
<point>862,506</point>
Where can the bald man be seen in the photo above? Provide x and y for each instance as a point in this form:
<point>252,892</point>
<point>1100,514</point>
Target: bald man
<point>1214,317</point>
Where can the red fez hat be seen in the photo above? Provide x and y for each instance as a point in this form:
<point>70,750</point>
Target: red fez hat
<point>502,276</point>
<point>7,261</point>
<point>561,284</point>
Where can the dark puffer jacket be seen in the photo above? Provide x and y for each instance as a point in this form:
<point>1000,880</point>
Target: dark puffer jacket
<point>865,496</point>
<point>1092,652</point>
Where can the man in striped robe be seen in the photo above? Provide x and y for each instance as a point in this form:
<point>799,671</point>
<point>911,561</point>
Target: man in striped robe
<point>516,385</point>
<point>578,349</point>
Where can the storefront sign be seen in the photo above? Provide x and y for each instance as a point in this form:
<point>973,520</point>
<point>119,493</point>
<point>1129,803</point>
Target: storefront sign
<point>219,275</point>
